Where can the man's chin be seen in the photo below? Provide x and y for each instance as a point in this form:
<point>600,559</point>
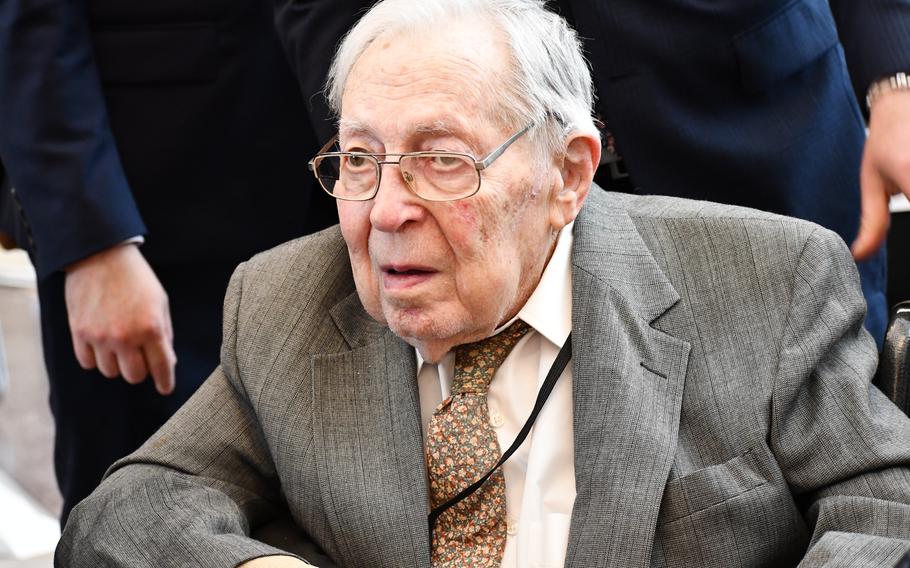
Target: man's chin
<point>413,326</point>
<point>429,331</point>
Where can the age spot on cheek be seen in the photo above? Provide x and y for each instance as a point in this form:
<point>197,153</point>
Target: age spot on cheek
<point>466,217</point>
<point>464,213</point>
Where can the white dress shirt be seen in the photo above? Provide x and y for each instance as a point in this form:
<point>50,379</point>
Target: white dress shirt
<point>540,475</point>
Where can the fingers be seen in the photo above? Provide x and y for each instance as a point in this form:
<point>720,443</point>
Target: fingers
<point>146,349</point>
<point>132,365</point>
<point>874,216</point>
<point>107,363</point>
<point>84,354</point>
<point>92,356</point>
<point>160,356</point>
<point>161,360</point>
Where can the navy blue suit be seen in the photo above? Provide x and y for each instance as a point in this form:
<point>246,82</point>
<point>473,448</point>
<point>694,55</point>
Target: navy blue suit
<point>176,120</point>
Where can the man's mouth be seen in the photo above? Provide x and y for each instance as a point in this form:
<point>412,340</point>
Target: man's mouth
<point>401,276</point>
<point>406,271</point>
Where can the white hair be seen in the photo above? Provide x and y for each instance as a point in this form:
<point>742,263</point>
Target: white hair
<point>548,83</point>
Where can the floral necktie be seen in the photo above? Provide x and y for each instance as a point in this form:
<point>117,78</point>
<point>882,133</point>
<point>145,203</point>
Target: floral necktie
<point>462,447</point>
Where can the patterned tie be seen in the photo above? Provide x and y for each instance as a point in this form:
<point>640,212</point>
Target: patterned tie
<point>462,447</point>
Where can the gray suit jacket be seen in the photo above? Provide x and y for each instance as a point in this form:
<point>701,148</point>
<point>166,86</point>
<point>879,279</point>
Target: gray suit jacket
<point>722,411</point>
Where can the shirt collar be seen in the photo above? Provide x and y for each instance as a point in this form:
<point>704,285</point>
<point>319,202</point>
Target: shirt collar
<point>549,309</point>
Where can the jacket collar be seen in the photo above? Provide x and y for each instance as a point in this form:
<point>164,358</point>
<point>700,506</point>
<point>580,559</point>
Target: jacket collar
<point>369,445</point>
<point>627,388</point>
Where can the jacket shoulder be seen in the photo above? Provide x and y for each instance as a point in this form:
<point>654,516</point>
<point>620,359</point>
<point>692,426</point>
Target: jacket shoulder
<point>720,253</point>
<point>310,261</point>
<point>284,297</point>
<point>685,216</point>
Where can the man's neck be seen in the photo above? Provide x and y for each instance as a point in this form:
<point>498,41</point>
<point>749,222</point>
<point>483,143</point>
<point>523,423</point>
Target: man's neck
<point>434,351</point>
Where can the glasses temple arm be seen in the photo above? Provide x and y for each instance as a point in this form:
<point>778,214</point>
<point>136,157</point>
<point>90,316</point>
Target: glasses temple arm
<point>491,157</point>
<point>322,150</point>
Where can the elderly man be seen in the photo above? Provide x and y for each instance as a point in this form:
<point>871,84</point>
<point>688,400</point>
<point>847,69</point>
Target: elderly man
<point>379,380</point>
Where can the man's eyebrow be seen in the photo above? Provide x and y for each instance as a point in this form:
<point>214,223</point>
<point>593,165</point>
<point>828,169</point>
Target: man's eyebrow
<point>353,127</point>
<point>438,127</point>
<point>349,127</point>
<point>445,128</point>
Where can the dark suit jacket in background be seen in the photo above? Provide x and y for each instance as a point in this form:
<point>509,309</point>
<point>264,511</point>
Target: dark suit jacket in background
<point>745,102</point>
<point>748,101</point>
<point>722,411</point>
<point>173,119</point>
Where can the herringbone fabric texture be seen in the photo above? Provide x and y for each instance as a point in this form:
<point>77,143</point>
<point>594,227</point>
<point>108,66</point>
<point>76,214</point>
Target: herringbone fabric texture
<point>462,447</point>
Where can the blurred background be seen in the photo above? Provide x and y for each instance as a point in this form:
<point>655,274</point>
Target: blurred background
<point>29,500</point>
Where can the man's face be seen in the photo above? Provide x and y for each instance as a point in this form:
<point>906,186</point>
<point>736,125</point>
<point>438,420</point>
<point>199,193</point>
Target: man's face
<point>442,274</point>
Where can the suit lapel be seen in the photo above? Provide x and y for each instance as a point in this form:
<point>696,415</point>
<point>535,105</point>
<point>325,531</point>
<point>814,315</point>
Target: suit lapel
<point>627,389</point>
<point>369,443</point>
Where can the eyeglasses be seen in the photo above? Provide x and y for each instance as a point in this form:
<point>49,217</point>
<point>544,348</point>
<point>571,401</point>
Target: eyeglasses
<point>434,176</point>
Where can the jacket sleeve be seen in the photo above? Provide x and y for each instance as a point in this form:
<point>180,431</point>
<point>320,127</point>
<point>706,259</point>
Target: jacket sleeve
<point>55,139</point>
<point>843,447</point>
<point>876,39</point>
<point>192,493</point>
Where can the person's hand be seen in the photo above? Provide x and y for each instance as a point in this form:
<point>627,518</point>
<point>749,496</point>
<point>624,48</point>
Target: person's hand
<point>274,562</point>
<point>119,317</point>
<point>885,169</point>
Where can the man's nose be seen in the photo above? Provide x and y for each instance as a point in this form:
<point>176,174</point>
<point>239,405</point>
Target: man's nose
<point>395,204</point>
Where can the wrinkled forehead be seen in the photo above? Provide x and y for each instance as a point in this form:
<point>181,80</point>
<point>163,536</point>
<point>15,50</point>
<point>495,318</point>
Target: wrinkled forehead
<point>442,78</point>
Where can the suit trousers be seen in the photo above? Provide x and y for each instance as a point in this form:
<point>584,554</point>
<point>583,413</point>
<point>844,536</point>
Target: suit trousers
<point>100,420</point>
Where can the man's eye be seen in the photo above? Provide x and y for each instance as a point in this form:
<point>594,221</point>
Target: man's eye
<point>357,161</point>
<point>444,161</point>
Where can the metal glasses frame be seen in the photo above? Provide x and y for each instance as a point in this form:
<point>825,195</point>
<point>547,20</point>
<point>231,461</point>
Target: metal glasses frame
<point>479,165</point>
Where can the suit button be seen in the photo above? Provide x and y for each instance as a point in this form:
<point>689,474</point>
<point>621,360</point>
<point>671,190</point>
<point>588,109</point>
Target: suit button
<point>496,420</point>
<point>513,527</point>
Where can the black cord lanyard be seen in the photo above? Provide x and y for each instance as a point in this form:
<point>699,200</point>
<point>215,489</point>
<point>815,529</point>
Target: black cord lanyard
<point>559,365</point>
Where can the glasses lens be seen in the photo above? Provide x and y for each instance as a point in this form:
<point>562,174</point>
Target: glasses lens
<point>347,177</point>
<point>441,176</point>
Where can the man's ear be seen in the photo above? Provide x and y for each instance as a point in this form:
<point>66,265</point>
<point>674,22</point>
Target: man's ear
<point>576,168</point>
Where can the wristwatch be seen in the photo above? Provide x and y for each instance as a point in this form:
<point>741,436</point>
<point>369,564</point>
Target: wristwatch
<point>897,82</point>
